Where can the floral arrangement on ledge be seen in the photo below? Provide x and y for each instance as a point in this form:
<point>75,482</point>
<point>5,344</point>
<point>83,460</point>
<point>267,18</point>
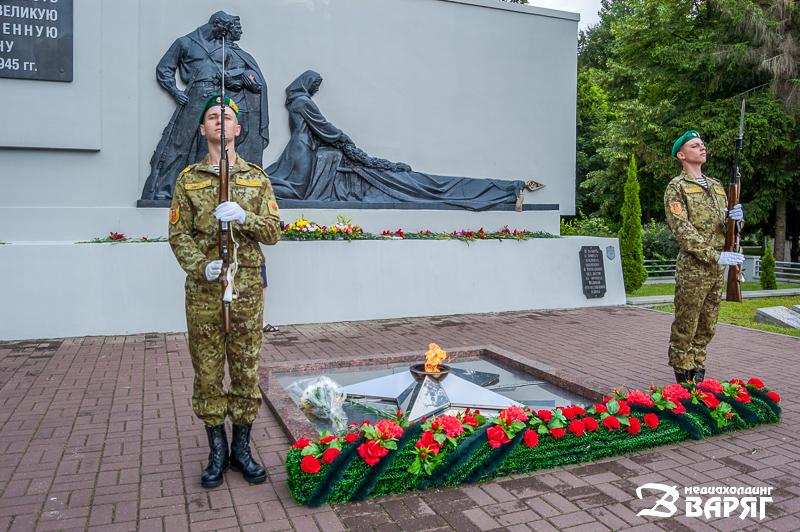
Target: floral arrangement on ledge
<point>343,229</point>
<point>393,455</point>
<point>119,238</point>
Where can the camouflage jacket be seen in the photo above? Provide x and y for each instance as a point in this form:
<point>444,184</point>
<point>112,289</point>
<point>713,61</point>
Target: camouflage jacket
<point>696,216</point>
<point>193,230</point>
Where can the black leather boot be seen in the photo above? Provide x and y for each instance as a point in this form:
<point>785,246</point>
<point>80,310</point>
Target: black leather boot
<point>242,458</point>
<point>217,458</point>
<point>699,374</point>
<point>681,376</point>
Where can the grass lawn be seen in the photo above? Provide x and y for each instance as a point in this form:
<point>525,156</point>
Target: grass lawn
<point>669,289</point>
<point>744,313</point>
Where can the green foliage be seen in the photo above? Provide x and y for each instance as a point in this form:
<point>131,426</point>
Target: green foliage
<point>658,242</point>
<point>768,280</point>
<point>630,233</point>
<point>583,225</point>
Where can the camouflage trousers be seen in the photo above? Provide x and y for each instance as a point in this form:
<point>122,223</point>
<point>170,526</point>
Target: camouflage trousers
<point>698,292</point>
<point>209,348</point>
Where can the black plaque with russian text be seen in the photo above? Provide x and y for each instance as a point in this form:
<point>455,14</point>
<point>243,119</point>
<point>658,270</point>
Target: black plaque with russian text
<point>36,39</point>
<point>593,273</point>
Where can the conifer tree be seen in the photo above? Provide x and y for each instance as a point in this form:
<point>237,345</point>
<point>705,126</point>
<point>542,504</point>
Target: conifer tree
<point>630,233</point>
<point>768,280</point>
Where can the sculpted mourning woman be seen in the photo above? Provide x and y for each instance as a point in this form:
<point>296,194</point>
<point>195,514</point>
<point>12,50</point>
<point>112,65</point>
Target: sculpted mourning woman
<point>321,163</point>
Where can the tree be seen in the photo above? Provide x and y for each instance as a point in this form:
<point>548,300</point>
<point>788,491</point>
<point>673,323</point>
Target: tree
<point>768,280</point>
<point>630,234</point>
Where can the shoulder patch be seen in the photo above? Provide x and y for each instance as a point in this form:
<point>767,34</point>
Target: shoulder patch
<point>272,207</point>
<point>676,208</point>
<point>174,215</point>
<point>187,169</point>
<point>198,186</point>
<point>249,182</point>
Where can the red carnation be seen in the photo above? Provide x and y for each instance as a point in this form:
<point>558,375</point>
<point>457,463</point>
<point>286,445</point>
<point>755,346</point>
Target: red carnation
<point>740,382</point>
<point>590,423</point>
<point>774,396</point>
<point>651,420</point>
<point>389,429</point>
<point>513,413</point>
<point>624,409</point>
<point>711,385</point>
<point>675,392</point>
<point>756,382</point>
<point>497,436</point>
<point>635,426</point>
<point>611,423</point>
<point>742,395</point>
<point>330,455</point>
<point>470,420</point>
<point>557,432</point>
<point>568,412</point>
<point>451,426</point>
<point>427,441</point>
<point>576,427</point>
<point>531,438</point>
<point>544,415</point>
<point>328,439</point>
<point>301,443</point>
<point>372,452</point>
<point>578,410</point>
<point>600,408</point>
<point>309,464</point>
<point>679,409</point>
<point>638,397</point>
<point>351,437</point>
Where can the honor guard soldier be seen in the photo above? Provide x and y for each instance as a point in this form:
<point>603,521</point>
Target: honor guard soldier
<point>696,209</point>
<point>197,220</point>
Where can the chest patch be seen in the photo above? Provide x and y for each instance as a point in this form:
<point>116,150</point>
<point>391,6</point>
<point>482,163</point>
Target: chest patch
<point>198,186</point>
<point>248,182</point>
<point>693,189</point>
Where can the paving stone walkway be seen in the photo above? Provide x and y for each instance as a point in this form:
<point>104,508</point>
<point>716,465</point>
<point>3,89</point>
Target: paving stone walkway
<point>97,433</point>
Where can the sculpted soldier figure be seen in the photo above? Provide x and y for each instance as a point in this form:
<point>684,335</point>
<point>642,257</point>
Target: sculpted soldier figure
<point>253,218</point>
<point>197,58</point>
<point>696,208</point>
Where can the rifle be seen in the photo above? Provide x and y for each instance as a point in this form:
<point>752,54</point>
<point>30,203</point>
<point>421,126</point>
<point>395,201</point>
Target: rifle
<point>227,244</point>
<point>734,289</point>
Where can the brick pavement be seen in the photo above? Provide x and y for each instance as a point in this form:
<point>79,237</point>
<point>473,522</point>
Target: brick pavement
<point>97,433</point>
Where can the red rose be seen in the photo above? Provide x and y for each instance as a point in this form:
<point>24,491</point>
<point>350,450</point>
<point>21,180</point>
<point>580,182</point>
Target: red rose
<point>497,436</point>
<point>755,382</point>
<point>710,401</point>
<point>679,409</point>
<point>513,413</point>
<point>576,427</point>
<point>774,396</point>
<point>328,439</point>
<point>301,443</point>
<point>470,420</point>
<point>330,455</point>
<point>309,464</point>
<point>711,385</point>
<point>624,409</point>
<point>634,427</point>
<point>611,423</point>
<point>544,415</point>
<point>638,397</point>
<point>600,408</point>
<point>427,441</point>
<point>531,438</point>
<point>651,420</point>
<point>372,452</point>
<point>351,437</point>
<point>590,423</point>
<point>557,433</point>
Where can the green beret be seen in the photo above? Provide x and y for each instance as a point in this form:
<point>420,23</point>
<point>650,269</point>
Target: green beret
<point>216,99</point>
<point>683,139</point>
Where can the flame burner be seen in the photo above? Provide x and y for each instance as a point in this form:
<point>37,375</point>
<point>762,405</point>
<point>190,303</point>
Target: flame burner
<point>419,372</point>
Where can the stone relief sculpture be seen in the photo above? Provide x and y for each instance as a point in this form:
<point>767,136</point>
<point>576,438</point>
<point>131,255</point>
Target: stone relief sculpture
<point>322,163</point>
<point>197,58</point>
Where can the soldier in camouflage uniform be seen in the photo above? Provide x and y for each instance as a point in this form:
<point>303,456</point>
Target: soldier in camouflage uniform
<point>253,218</point>
<point>696,209</point>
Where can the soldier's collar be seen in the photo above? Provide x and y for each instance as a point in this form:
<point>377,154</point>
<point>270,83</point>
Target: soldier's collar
<point>692,179</point>
<point>206,166</point>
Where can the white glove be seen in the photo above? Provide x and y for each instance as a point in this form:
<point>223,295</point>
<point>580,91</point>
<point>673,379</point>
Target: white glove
<point>736,213</point>
<point>230,211</point>
<point>730,258</point>
<point>213,269</point>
